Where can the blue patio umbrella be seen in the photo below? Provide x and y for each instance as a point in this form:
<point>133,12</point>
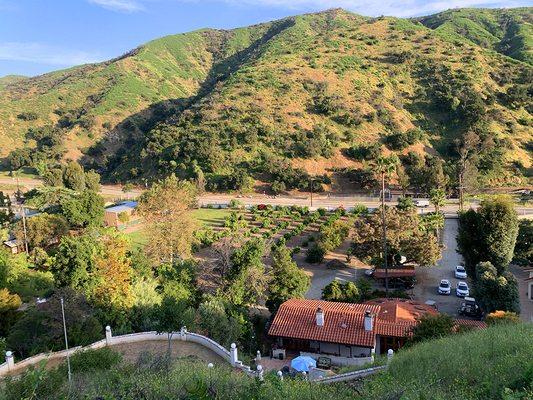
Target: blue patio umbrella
<point>303,363</point>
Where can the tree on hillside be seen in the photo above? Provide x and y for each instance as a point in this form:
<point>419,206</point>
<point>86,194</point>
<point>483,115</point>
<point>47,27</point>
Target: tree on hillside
<point>112,290</point>
<point>40,329</point>
<point>288,280</point>
<point>217,322</point>
<point>432,327</point>
<point>488,234</point>
<point>246,282</point>
<point>9,304</point>
<point>171,316</point>
<point>74,176</point>
<point>496,291</point>
<point>406,204</point>
<point>42,230</point>
<point>166,209</point>
<point>84,209</point>
<point>75,260</point>
<point>437,197</point>
<point>405,237</point>
<point>523,252</point>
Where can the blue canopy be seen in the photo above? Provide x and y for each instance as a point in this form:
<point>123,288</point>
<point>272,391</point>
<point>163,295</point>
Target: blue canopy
<point>303,363</point>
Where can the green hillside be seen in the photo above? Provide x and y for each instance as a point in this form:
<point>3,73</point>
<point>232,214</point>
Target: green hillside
<point>303,96</point>
<point>507,31</point>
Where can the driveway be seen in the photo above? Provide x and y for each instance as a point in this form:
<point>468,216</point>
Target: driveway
<point>428,279</point>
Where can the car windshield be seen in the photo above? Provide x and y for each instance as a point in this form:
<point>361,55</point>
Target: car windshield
<point>444,284</point>
<point>460,269</point>
<point>463,286</point>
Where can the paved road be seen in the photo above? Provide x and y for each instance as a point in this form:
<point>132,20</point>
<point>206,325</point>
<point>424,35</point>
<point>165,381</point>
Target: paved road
<point>428,278</point>
<point>334,201</point>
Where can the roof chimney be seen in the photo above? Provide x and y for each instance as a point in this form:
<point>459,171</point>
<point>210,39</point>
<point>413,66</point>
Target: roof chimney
<point>319,317</point>
<point>369,321</point>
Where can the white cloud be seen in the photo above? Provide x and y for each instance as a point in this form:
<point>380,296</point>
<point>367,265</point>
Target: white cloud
<point>45,54</point>
<point>119,5</point>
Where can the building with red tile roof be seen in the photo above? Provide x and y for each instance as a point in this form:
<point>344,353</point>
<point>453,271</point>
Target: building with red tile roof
<point>349,330</point>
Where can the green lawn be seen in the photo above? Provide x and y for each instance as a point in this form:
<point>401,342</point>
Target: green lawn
<point>211,217</point>
<point>204,216</point>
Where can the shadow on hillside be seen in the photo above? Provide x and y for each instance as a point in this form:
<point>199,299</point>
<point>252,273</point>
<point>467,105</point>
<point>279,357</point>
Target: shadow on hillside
<point>119,145</point>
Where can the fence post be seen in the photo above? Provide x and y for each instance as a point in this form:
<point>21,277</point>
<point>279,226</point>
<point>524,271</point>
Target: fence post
<point>233,354</point>
<point>10,360</point>
<point>183,333</point>
<point>108,336</point>
<point>390,353</point>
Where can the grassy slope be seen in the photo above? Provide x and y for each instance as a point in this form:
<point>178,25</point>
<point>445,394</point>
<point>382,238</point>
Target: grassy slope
<point>272,81</point>
<point>351,53</point>
<point>171,67</point>
<point>472,366</point>
<point>477,365</point>
<point>508,31</point>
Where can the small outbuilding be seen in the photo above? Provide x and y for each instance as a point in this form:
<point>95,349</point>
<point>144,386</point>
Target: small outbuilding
<point>121,215</point>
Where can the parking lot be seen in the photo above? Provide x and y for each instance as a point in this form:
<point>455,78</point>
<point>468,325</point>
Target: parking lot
<point>428,279</point>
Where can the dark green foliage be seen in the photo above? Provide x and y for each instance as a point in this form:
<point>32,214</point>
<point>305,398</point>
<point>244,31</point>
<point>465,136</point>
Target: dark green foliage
<point>406,204</point>
<point>364,152</point>
<point>342,292</point>
<point>488,234</point>
<point>95,360</point>
<point>320,141</point>
<point>74,176</point>
<point>402,140</point>
<point>41,328</point>
<point>315,254</point>
<point>84,210</point>
<point>433,327</point>
<point>523,252</point>
<point>325,102</point>
<point>362,178</point>
<point>288,280</point>
<point>496,291</point>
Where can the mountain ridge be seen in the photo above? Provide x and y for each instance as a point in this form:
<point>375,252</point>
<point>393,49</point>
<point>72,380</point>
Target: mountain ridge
<point>207,80</point>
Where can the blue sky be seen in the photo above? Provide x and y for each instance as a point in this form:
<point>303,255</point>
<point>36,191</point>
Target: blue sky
<point>38,36</point>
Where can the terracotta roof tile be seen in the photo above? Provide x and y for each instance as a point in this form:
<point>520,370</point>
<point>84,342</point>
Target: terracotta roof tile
<point>343,322</point>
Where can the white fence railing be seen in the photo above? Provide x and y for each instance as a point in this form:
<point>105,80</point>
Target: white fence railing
<point>229,356</point>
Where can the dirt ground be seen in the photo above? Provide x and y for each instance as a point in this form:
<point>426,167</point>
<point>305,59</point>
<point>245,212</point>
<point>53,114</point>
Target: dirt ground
<point>179,349</point>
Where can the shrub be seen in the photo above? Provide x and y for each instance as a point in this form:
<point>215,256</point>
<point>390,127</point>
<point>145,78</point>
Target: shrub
<point>315,254</point>
<point>95,360</point>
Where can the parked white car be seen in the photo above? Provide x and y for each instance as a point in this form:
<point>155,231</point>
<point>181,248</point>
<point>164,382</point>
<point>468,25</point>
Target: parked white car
<point>445,287</point>
<point>422,203</point>
<point>460,272</point>
<point>461,290</point>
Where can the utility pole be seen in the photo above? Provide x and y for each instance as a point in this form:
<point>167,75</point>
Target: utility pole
<point>66,342</point>
<point>23,213</point>
<point>461,188</point>
<point>311,192</point>
<point>384,234</point>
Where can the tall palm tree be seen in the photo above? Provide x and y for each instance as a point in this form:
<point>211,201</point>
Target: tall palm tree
<point>385,166</point>
<point>437,197</point>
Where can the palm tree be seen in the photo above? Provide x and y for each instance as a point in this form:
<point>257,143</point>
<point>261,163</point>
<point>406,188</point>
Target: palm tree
<point>385,166</point>
<point>437,197</point>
